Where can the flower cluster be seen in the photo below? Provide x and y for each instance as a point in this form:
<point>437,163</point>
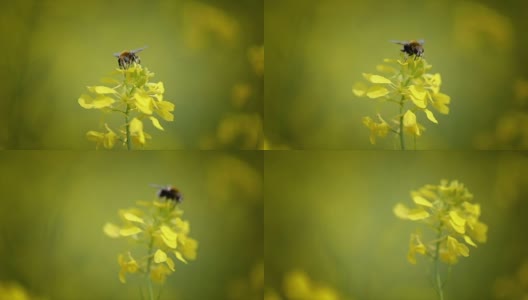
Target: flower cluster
<point>158,226</point>
<point>248,288</point>
<point>136,98</point>
<point>408,84</point>
<point>448,210</point>
<point>298,286</point>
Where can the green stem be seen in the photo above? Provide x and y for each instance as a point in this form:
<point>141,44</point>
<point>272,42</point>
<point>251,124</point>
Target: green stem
<point>438,281</point>
<point>127,126</point>
<point>402,141</point>
<point>147,275</point>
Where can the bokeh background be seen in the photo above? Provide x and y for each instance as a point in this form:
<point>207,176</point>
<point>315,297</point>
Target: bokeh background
<point>330,227</point>
<point>209,55</point>
<point>320,49</point>
<point>54,204</point>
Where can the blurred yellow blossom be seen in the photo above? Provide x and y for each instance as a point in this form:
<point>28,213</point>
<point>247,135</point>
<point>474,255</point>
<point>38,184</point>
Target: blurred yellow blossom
<point>159,228</point>
<point>134,96</point>
<point>446,209</point>
<point>408,84</point>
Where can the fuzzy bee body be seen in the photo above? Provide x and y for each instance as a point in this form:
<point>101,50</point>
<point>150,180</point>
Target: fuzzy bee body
<point>169,193</point>
<point>128,57</point>
<point>412,47</point>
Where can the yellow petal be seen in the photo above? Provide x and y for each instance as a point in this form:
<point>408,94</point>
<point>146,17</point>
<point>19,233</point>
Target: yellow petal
<point>417,95</point>
<point>168,236</point>
<point>101,89</point>
<point>359,89</point>
<point>100,101</point>
<point>133,218</point>
<point>168,232</point>
<point>401,211</point>
<point>377,91</point>
<point>418,214</point>
<point>458,223</point>
<point>156,123</point>
<point>469,241</point>
<point>170,264</point>
<point>179,256</point>
<point>160,256</point>
<point>376,78</point>
<point>430,116</point>
<point>422,201</point>
<point>111,230</point>
<point>130,231</point>
<point>409,119</point>
<point>143,103</point>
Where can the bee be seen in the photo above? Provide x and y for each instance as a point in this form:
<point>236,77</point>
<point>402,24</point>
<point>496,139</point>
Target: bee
<point>128,57</point>
<point>412,47</point>
<point>169,193</point>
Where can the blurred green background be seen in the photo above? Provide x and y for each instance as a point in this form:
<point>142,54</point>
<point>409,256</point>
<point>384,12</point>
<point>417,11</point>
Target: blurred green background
<point>329,214</point>
<point>319,49</point>
<point>209,54</point>
<point>54,205</point>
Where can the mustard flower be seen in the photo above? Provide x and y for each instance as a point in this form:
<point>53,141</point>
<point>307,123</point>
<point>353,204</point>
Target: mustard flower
<point>157,227</point>
<point>136,98</point>
<point>250,288</point>
<point>297,285</point>
<point>447,209</point>
<point>407,83</point>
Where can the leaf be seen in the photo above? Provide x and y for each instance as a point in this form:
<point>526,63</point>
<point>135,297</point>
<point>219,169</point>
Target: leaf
<point>430,116</point>
<point>377,91</point>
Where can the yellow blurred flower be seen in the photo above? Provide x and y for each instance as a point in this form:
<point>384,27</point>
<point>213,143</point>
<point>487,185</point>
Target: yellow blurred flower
<point>380,129</point>
<point>128,265</point>
<point>158,227</point>
<point>447,209</point>
<point>411,87</point>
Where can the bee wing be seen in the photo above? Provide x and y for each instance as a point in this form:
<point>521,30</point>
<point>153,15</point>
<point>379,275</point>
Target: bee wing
<point>117,54</point>
<point>422,41</point>
<point>398,42</point>
<point>158,186</point>
<point>139,49</point>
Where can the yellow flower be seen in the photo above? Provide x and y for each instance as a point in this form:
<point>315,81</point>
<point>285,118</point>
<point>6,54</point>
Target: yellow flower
<point>415,246</point>
<point>446,209</point>
<point>107,139</point>
<point>189,248</point>
<point>451,249</point>
<point>159,273</point>
<point>127,266</point>
<point>376,129</point>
